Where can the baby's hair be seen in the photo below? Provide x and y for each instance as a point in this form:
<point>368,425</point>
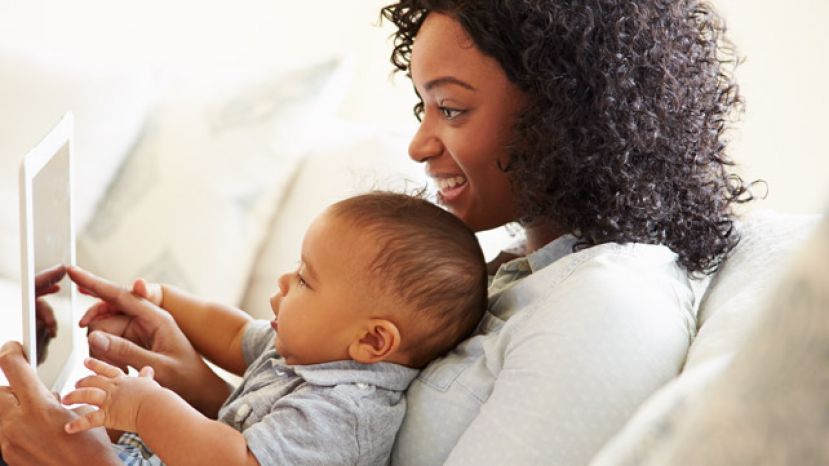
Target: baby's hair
<point>429,262</point>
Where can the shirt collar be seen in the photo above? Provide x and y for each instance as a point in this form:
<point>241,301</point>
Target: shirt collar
<point>388,376</point>
<point>538,259</point>
<point>551,252</point>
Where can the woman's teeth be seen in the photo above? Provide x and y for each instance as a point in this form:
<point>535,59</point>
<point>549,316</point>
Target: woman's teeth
<point>445,184</point>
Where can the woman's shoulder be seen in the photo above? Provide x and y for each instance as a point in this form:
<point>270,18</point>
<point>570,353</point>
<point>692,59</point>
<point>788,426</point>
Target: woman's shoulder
<point>556,266</point>
<point>631,282</point>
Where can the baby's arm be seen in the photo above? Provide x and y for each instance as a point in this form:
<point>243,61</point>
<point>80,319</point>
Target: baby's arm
<point>215,330</point>
<point>174,430</point>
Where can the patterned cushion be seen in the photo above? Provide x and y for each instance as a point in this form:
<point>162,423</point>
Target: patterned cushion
<point>193,202</point>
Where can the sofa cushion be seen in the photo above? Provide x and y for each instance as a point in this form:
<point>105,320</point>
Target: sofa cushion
<point>730,310</point>
<point>110,108</point>
<point>192,204</point>
<point>767,403</point>
<point>731,302</point>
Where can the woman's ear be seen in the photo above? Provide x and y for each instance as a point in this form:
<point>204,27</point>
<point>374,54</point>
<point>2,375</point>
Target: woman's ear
<point>379,339</point>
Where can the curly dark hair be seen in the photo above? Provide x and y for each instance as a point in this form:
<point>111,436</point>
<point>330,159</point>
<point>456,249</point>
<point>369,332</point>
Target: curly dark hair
<point>624,138</point>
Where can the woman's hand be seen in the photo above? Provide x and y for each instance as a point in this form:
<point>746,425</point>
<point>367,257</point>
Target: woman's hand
<point>138,333</point>
<point>32,420</point>
<point>107,317</point>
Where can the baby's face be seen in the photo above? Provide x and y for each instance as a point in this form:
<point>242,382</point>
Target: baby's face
<point>319,306</point>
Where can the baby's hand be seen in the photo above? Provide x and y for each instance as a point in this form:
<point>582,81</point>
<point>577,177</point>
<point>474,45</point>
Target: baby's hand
<point>152,292</point>
<point>119,398</point>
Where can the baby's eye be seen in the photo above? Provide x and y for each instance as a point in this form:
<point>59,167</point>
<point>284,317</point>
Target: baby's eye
<point>300,282</point>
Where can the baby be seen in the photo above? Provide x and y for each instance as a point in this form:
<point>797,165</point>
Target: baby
<point>386,283</point>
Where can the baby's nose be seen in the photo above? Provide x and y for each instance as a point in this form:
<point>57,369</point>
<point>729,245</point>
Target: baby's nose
<point>275,300</point>
<point>284,283</point>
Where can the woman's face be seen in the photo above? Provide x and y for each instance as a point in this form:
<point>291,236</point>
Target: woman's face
<point>469,110</point>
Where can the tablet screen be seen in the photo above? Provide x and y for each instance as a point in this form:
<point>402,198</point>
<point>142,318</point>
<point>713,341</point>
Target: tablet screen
<point>51,238</point>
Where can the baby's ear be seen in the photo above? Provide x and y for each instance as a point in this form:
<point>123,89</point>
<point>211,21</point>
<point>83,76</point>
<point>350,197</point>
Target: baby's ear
<point>380,339</point>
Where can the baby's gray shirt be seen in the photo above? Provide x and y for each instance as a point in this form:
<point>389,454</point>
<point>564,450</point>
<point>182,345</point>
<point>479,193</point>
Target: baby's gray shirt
<point>340,412</point>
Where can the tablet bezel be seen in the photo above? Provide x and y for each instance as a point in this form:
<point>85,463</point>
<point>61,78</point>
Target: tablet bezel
<point>53,144</point>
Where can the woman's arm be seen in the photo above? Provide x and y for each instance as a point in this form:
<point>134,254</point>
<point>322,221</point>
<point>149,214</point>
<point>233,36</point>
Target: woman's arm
<point>32,420</point>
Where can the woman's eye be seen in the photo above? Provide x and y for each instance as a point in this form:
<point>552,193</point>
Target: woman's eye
<point>450,113</point>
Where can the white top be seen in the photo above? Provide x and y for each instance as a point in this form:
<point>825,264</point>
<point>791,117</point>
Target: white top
<point>571,345</point>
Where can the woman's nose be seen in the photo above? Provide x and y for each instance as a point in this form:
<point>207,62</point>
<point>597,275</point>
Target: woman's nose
<point>425,144</point>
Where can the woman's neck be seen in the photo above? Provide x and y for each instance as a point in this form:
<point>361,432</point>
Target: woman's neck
<point>539,234</point>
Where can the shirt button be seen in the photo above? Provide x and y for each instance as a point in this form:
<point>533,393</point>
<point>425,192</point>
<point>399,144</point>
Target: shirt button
<point>242,413</point>
<point>361,385</point>
<point>280,373</point>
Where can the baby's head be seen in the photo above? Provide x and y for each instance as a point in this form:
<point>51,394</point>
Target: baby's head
<point>382,277</point>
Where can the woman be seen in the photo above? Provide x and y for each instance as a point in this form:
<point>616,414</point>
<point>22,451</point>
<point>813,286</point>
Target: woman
<point>598,126</point>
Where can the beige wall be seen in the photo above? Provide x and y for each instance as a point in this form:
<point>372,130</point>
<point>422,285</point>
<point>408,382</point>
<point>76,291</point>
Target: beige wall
<point>785,81</point>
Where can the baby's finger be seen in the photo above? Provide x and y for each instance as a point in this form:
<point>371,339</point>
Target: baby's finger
<point>102,368</point>
<point>97,311</point>
<point>139,287</point>
<point>147,372</point>
<point>149,291</point>
<point>86,396</point>
<point>85,422</point>
<point>93,381</point>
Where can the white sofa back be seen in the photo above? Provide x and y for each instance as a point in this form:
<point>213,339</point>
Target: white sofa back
<point>730,309</point>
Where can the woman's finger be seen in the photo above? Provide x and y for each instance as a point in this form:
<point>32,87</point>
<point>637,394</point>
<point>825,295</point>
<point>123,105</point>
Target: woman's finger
<point>85,422</point>
<point>94,284</point>
<point>22,379</point>
<point>122,352</point>
<point>8,400</point>
<point>87,396</point>
<point>86,291</point>
<point>116,295</point>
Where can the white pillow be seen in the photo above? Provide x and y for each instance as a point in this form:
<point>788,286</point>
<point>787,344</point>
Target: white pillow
<point>768,405</point>
<point>358,159</point>
<point>734,302</point>
<point>192,204</point>
<point>741,287</point>
<point>635,443</point>
<point>110,111</point>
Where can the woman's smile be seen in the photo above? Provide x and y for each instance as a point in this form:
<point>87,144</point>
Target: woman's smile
<point>450,188</point>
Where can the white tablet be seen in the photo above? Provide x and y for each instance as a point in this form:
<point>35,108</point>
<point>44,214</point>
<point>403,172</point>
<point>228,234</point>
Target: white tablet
<point>47,246</point>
